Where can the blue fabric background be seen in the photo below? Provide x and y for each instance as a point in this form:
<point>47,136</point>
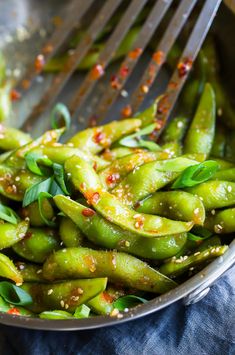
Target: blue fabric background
<point>207,327</point>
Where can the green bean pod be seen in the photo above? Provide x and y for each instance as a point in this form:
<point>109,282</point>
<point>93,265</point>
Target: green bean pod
<point>177,205</point>
<point>215,194</point>
<point>85,179</point>
<point>177,267</point>
<point>230,146</point>
<point>221,222</point>
<point>30,272</point>
<point>12,233</point>
<point>156,175</point>
<point>101,304</point>
<point>66,295</point>
<point>118,267</point>
<point>8,270</point>
<point>175,130</point>
<point>102,232</point>
<point>69,233</point>
<point>37,244</point>
<point>199,138</point>
<point>96,139</point>
<point>12,138</point>
<point>226,175</point>
<point>219,143</point>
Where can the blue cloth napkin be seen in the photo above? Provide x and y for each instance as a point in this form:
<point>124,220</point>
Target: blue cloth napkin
<point>207,327</point>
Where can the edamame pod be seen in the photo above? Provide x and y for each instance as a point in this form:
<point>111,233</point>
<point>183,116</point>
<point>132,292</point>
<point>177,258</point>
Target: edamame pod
<point>175,130</point>
<point>12,233</point>
<point>12,138</point>
<point>33,213</point>
<point>8,270</point>
<point>69,233</point>
<point>221,222</point>
<point>30,272</point>
<point>118,267</point>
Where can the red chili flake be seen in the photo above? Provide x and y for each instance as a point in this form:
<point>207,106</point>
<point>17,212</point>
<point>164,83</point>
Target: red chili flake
<point>92,121</point>
<point>158,57</point>
<point>15,95</point>
<point>163,106</point>
<point>124,70</point>
<point>184,66</point>
<point>39,63</point>
<point>47,49</point>
<point>172,85</point>
<point>107,297</point>
<point>25,84</point>
<point>87,212</point>
<point>28,235</point>
<point>145,89</point>
<point>98,137</point>
<point>95,166</point>
<point>114,82</point>
<point>97,71</point>
<point>152,70</point>
<point>14,311</point>
<point>126,111</point>
<point>112,178</point>
<point>135,53</point>
<point>92,197</point>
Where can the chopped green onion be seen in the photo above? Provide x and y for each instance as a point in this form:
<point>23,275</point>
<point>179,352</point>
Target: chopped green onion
<point>8,215</point>
<point>60,177</point>
<point>82,311</point>
<point>60,111</point>
<point>196,174</point>
<point>41,197</point>
<point>33,158</point>
<point>14,294</point>
<point>134,140</point>
<point>31,194</point>
<point>57,314</point>
<point>201,232</point>
<point>196,238</point>
<point>55,189</point>
<point>128,301</point>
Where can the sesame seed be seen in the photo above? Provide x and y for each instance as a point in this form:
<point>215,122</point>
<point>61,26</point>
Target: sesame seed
<point>119,316</point>
<point>62,303</point>
<point>114,312</point>
<point>39,271</point>
<point>127,244</point>
<point>80,290</point>
<point>50,292</point>
<point>229,188</point>
<point>137,215</point>
<point>191,268</point>
<point>66,306</point>
<point>197,253</point>
<point>18,283</point>
<point>180,124</point>
<point>196,211</point>
<point>218,228</point>
<point>213,212</point>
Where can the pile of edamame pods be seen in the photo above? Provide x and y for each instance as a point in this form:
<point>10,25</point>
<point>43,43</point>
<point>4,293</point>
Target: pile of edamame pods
<point>109,219</point>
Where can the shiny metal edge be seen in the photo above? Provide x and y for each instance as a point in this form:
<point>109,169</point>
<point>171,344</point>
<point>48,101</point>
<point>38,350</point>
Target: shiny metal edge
<point>199,282</point>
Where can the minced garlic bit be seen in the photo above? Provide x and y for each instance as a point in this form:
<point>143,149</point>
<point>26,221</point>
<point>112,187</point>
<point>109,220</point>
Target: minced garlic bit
<point>50,292</point>
<point>79,290</point>
<point>218,228</point>
<point>114,312</point>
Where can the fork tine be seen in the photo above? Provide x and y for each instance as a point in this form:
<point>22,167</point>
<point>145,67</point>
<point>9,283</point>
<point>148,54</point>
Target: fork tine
<point>71,64</point>
<point>148,29</point>
<point>188,56</point>
<point>106,55</point>
<point>71,18</point>
<point>173,30</point>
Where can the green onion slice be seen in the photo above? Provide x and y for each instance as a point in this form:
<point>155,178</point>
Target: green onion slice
<point>82,311</point>
<point>14,294</point>
<point>59,176</point>
<point>57,314</point>
<point>128,301</point>
<point>41,197</point>
<point>32,193</point>
<point>60,112</point>
<point>8,215</point>
<point>33,159</point>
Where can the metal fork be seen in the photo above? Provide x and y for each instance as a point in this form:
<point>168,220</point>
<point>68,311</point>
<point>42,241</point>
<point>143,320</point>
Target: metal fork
<point>73,16</point>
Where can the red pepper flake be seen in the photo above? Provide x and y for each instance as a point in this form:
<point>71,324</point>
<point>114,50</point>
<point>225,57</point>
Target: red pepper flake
<point>25,84</point>
<point>124,70</point>
<point>95,166</point>
<point>97,71</point>
<point>98,137</point>
<point>39,63</point>
<point>112,178</point>
<point>164,105</point>
<point>47,49</point>
<point>172,85</point>
<point>92,197</point>
<point>114,82</point>
<point>107,297</point>
<point>135,53</point>
<point>145,89</point>
<point>93,121</point>
<point>28,235</point>
<point>159,57</point>
<point>184,66</point>
<point>87,212</point>
<point>14,311</point>
<point>126,111</point>
<point>15,95</point>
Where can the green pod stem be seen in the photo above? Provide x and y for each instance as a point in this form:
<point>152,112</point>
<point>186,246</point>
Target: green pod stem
<point>5,102</point>
<point>177,267</point>
<point>119,168</point>
<point>219,143</point>
<point>8,270</point>
<point>200,136</point>
<point>178,205</point>
<point>70,233</point>
<point>14,182</point>
<point>16,159</point>
<point>175,130</point>
<point>210,242</point>
<point>12,233</point>
<point>59,154</point>
<point>106,234</point>
<point>221,222</point>
<point>12,138</point>
<point>149,178</point>
<point>37,244</point>
<point>215,194</point>
<point>94,140</point>
<point>30,272</point>
<point>66,295</point>
<point>101,304</point>
<point>33,213</point>
<point>118,267</point>
<point>230,147</point>
<point>85,179</point>
<point>226,175</point>
<point>14,310</point>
